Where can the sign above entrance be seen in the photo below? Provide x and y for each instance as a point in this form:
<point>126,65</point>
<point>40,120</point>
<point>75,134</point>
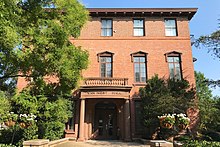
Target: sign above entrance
<point>105,94</point>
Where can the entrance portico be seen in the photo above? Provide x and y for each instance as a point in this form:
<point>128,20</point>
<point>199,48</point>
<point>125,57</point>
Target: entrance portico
<point>104,111</point>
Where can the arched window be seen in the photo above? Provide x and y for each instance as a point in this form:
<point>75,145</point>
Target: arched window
<point>174,63</point>
<point>105,59</point>
<point>140,67</point>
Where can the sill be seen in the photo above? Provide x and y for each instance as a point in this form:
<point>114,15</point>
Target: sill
<point>69,131</point>
<point>171,36</point>
<point>139,84</point>
<point>139,36</point>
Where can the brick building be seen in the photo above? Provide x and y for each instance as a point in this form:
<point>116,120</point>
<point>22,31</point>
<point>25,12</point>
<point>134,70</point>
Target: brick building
<point>127,46</point>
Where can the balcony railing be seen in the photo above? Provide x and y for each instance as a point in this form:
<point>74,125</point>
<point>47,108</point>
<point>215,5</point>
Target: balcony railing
<point>105,82</point>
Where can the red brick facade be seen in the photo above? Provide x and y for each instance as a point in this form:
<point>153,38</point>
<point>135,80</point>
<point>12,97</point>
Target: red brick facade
<point>99,99</point>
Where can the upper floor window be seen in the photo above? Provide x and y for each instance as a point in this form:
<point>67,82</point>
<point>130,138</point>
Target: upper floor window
<point>106,27</point>
<point>105,60</point>
<point>174,64</point>
<point>140,72</point>
<point>170,27</point>
<point>139,27</point>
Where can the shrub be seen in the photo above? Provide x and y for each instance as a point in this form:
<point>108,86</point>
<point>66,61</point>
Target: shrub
<point>7,145</point>
<point>161,96</point>
<point>196,143</point>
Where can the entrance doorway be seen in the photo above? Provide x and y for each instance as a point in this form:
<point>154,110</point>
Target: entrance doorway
<point>106,120</point>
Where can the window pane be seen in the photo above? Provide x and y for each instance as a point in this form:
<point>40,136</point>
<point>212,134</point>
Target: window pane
<point>178,71</point>
<point>138,27</point>
<point>170,59</point>
<point>137,77</point>
<point>109,24</point>
<point>136,59</point>
<point>170,27</point>
<point>170,22</point>
<point>170,32</point>
<point>176,59</point>
<point>108,59</point>
<point>103,69</point>
<point>171,68</point>
<point>102,59</point>
<point>143,79</point>
<point>106,32</point>
<point>106,66</point>
<point>138,32</point>
<point>136,67</point>
<point>104,23</point>
<point>142,59</point>
<point>106,28</point>
<point>138,22</point>
<point>140,69</point>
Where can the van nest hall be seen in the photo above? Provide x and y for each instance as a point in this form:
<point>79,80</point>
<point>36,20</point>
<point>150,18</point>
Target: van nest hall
<point>126,47</point>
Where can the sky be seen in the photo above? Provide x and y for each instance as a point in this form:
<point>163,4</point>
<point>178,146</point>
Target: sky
<point>204,22</point>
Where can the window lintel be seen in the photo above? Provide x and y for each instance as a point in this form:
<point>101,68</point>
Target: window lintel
<point>104,54</point>
<point>138,54</point>
<point>173,54</point>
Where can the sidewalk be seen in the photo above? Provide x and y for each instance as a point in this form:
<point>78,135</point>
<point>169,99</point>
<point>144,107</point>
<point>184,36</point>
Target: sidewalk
<point>95,143</point>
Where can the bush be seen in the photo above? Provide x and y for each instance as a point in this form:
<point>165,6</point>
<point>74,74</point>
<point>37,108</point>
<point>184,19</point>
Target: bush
<point>161,96</point>
<point>6,145</point>
<point>196,143</point>
<point>4,105</point>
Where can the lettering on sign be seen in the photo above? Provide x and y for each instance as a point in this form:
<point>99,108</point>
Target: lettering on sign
<point>104,93</point>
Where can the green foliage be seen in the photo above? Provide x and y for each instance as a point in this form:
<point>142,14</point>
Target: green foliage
<point>209,107</point>
<point>196,143</point>
<point>52,112</point>
<point>212,43</point>
<point>206,101</point>
<point>6,145</point>
<point>35,44</point>
<point>16,135</point>
<point>162,96</point>
<point>4,105</point>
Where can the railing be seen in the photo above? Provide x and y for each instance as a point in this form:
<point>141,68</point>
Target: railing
<point>105,82</point>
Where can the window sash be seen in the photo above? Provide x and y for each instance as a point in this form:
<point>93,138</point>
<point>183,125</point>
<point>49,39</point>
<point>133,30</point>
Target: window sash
<point>140,69</point>
<point>106,27</point>
<point>170,27</point>
<point>174,68</point>
<point>106,66</point>
<point>138,27</point>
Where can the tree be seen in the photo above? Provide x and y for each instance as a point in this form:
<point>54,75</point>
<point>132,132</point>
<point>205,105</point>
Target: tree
<point>161,96</point>
<point>206,101</point>
<point>209,108</point>
<point>212,43</point>
<point>9,39</point>
<point>35,44</point>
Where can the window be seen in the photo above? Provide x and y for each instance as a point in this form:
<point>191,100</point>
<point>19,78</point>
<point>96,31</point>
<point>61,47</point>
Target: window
<point>138,117</point>
<point>139,60</point>
<point>170,27</point>
<point>174,64</point>
<point>139,27</point>
<point>106,27</point>
<point>106,66</point>
<point>105,59</point>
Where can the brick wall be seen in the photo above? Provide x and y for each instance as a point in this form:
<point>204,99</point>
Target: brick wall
<point>123,43</point>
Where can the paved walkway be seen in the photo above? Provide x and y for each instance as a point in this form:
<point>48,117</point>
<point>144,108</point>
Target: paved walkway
<point>95,143</point>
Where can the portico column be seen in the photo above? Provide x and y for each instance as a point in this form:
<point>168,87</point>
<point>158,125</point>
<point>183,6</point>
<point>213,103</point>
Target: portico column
<point>81,122</point>
<point>127,120</point>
